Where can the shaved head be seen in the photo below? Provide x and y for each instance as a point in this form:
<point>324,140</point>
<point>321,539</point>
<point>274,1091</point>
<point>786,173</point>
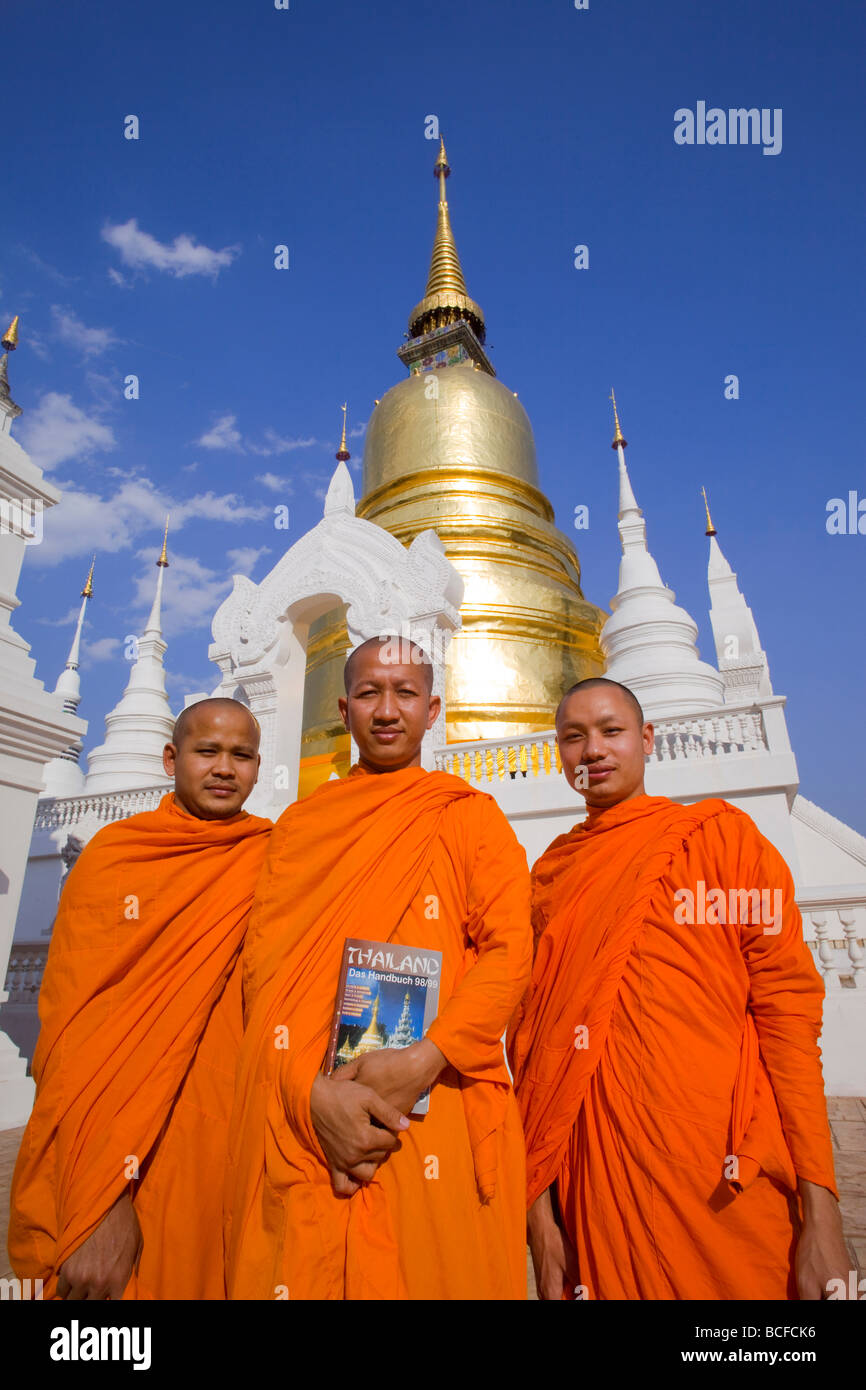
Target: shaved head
<point>213,757</point>
<point>594,681</point>
<point>202,709</point>
<point>394,651</point>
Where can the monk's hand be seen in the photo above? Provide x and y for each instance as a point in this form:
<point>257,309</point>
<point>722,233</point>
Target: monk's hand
<point>102,1266</point>
<point>355,1127</point>
<point>553,1256</point>
<point>398,1075</point>
<point>821,1251</point>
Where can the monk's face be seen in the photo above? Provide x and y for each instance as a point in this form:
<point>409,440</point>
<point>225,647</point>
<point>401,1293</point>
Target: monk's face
<point>603,746</point>
<point>216,762</point>
<point>388,709</point>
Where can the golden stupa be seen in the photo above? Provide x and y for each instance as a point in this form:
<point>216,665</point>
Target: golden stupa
<point>451,448</point>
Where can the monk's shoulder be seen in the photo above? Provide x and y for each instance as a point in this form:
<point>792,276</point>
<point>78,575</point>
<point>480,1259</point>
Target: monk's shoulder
<point>730,835</point>
<point>483,831</point>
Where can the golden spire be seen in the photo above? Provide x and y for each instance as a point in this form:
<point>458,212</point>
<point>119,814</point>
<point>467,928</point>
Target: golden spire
<point>711,530</point>
<point>163,554</point>
<point>9,341</point>
<point>617,434</point>
<point>343,454</point>
<point>445,299</point>
<point>87,591</point>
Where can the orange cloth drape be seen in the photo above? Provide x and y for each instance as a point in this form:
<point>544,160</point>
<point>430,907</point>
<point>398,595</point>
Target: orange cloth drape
<point>675,1127</point>
<point>141,1019</point>
<point>423,859</point>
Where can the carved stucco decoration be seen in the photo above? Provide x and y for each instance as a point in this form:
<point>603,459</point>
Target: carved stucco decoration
<point>381,582</point>
<point>386,588</point>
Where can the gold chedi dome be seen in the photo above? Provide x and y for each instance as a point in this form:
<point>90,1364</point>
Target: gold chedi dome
<point>451,448</point>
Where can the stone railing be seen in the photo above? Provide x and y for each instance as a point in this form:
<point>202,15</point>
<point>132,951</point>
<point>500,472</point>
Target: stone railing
<point>710,736</point>
<point>24,972</point>
<point>54,812</point>
<point>535,755</point>
<point>835,929</point>
<point>723,735</point>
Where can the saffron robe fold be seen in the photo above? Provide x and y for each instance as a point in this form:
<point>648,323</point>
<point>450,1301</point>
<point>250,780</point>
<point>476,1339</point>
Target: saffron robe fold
<point>141,1016</point>
<point>675,1127</point>
<point>424,860</point>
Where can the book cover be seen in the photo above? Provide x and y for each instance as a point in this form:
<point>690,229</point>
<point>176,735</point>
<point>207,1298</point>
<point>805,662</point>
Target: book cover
<point>388,996</point>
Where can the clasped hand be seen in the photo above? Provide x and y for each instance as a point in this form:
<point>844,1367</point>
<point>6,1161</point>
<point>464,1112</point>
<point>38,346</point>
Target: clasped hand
<point>360,1112</point>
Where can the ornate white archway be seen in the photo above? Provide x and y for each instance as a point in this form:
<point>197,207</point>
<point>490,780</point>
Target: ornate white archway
<point>260,631</point>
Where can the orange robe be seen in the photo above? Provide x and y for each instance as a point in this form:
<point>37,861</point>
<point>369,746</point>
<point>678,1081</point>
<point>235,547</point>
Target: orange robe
<point>141,1018</point>
<point>675,1127</point>
<point>424,860</point>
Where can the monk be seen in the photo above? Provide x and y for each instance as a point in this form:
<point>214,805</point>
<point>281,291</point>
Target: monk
<point>334,1191</point>
<point>117,1192</point>
<point>665,1056</point>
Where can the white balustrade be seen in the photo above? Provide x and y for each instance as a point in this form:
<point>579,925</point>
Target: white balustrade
<point>835,930</point>
<point>533,755</point>
<point>709,736</point>
<point>728,734</point>
<point>54,813</point>
<point>25,970</point>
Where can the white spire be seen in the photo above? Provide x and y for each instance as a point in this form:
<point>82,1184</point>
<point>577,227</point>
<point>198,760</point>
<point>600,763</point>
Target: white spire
<point>649,642</point>
<point>140,725</point>
<point>63,776</point>
<point>742,663</point>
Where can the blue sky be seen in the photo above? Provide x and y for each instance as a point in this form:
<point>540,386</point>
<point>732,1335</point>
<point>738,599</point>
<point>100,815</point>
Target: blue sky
<point>306,127</point>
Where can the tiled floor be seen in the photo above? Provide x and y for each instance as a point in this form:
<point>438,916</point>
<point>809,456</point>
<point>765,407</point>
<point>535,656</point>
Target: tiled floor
<point>847,1122</point>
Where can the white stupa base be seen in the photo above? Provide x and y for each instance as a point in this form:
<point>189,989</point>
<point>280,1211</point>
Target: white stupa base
<point>17,1089</point>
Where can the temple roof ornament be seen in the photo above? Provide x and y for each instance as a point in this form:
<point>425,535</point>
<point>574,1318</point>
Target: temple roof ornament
<point>446,298</point>
<point>342,455</point>
<point>649,641</point>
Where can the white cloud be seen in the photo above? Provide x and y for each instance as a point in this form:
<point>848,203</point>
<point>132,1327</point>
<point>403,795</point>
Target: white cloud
<point>184,256</point>
<point>107,392</point>
<point>279,444</point>
<point>274,483</point>
<point>206,506</point>
<point>58,430</point>
<point>89,341</point>
<point>222,435</point>
<point>37,344</point>
<point>70,617</point>
<point>117,279</point>
<point>245,558</point>
<point>101,649</point>
<point>84,521</point>
<point>51,271</point>
<point>184,685</point>
<point>191,592</point>
<point>357,430</point>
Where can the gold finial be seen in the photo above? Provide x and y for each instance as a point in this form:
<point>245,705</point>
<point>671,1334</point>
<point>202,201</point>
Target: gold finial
<point>9,341</point>
<point>163,555</point>
<point>343,453</point>
<point>618,437</point>
<point>711,530</point>
<point>445,299</point>
<point>87,591</point>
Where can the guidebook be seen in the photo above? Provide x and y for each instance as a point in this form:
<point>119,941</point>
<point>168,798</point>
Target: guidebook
<point>388,996</point>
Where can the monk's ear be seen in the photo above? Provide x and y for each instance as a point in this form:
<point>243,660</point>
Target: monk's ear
<point>343,707</point>
<point>169,758</point>
<point>649,738</point>
<point>433,710</point>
